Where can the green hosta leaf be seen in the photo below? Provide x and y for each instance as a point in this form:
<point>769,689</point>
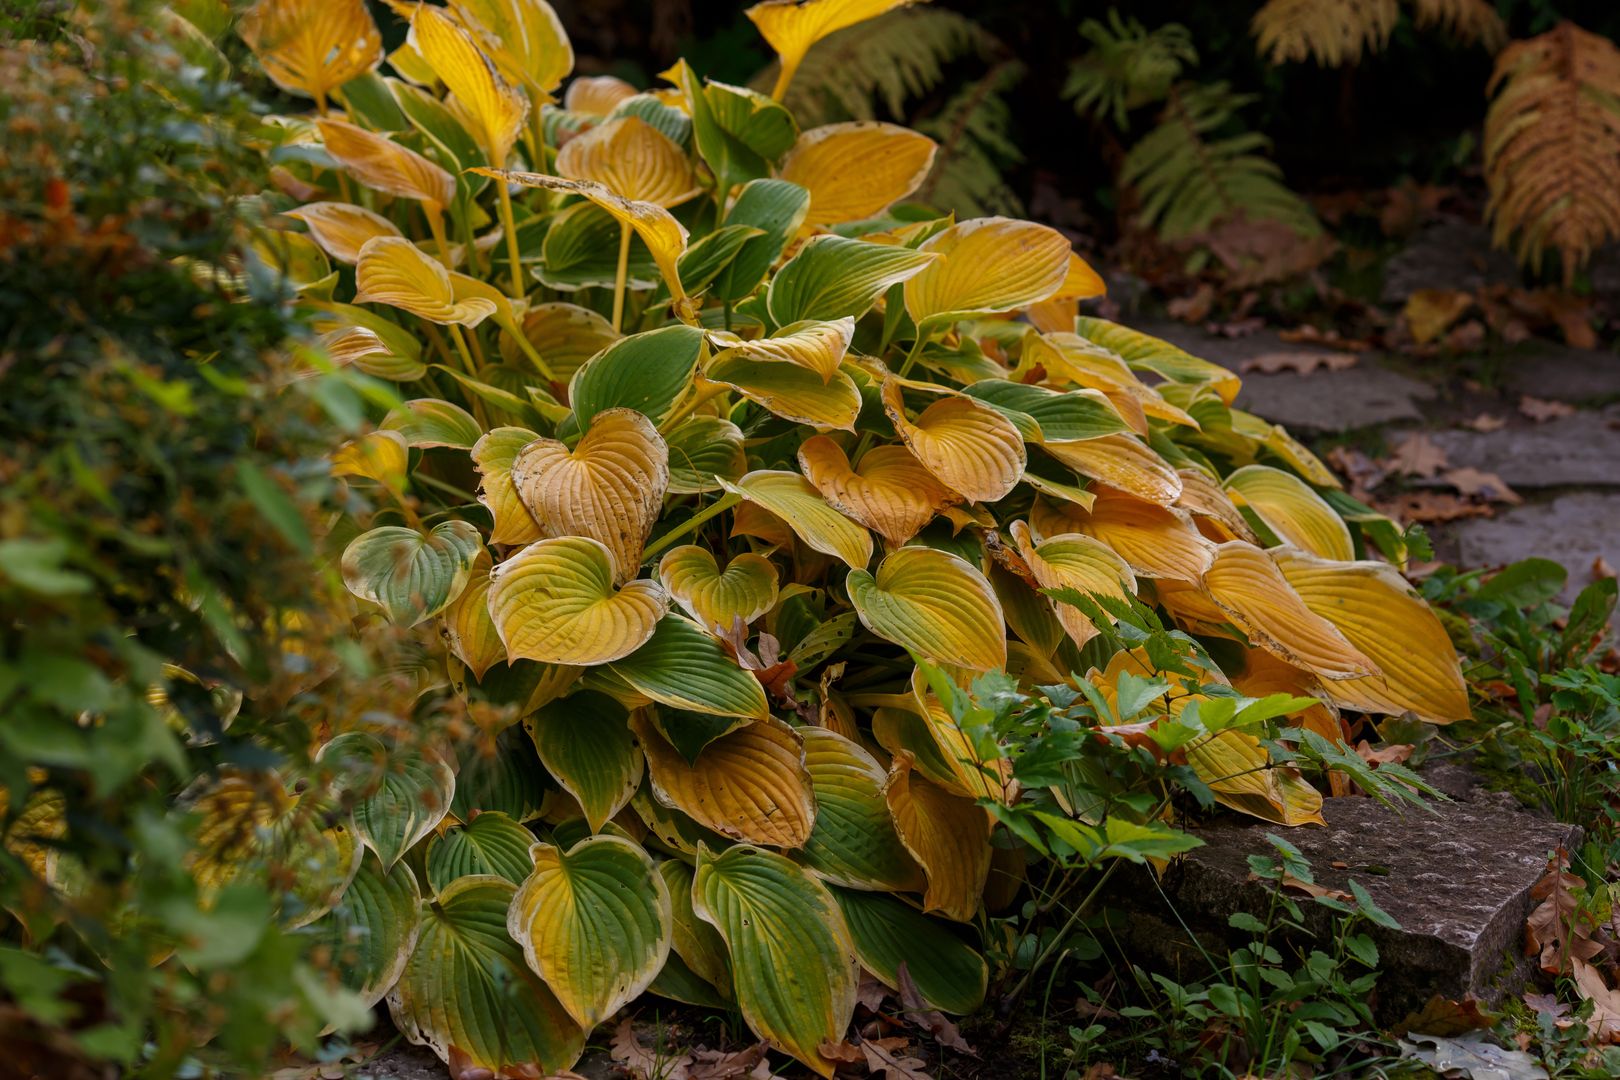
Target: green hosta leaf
<point>1148,353</point>
<point>950,974</point>
<point>467,987</point>
<point>595,922</point>
<point>510,781</point>
<point>1078,414</point>
<point>410,576</point>
<point>678,982</point>
<point>370,932</point>
<point>685,668</point>
<point>581,250</point>
<point>430,116</point>
<point>490,843</point>
<point>689,732</point>
<point>854,842</point>
<point>676,831</point>
<point>403,793</point>
<point>759,123</point>
<point>585,742</point>
<point>695,942</point>
<point>792,959</point>
<point>779,208</point>
<point>666,119</point>
<point>428,422</point>
<point>702,448</point>
<point>728,157</point>
<point>701,263</point>
<point>647,372</point>
<point>832,277</point>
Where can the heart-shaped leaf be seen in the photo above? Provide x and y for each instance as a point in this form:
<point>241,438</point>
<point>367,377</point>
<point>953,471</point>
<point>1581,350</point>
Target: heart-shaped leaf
<point>468,628</point>
<point>427,422</point>
<point>1122,462</point>
<point>647,372</point>
<point>312,47</point>
<point>371,930</point>
<point>774,206</point>
<point>685,668</point>
<point>567,335</point>
<point>391,270</point>
<point>1289,508</point>
<point>792,26</point>
<point>1068,416</point>
<point>1155,541</point>
<point>890,493</point>
<point>856,170</point>
<point>790,497</point>
<point>399,793</point>
<point>969,447</point>
<point>379,162</point>
<point>792,392</point>
<point>493,111</point>
<point>381,456</point>
<point>494,454</point>
<point>632,158</point>
<point>950,974</point>
<point>949,835</point>
<point>818,346</point>
<point>595,922</point>
<point>853,842</point>
<point>745,589</point>
<point>491,843</point>
<point>585,742</point>
<point>990,264</point>
<point>554,602</point>
<point>1074,561</point>
<point>342,229</point>
<point>411,576</point>
<point>832,277</point>
<point>935,604</point>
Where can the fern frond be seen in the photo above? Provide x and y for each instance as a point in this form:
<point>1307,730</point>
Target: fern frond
<point>975,148</point>
<point>884,62</point>
<point>1127,66</point>
<point>1331,32</point>
<point>1552,145</point>
<point>1190,177</point>
<point>1472,21</point>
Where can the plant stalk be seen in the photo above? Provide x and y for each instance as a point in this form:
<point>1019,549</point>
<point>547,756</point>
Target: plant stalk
<point>620,275</point>
<point>690,525</point>
<point>511,240</point>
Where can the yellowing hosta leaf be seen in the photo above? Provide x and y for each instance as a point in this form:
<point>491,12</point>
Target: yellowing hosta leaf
<point>496,109</point>
<point>467,625</point>
<point>694,940</point>
<point>565,336</point>
<point>1289,508</point>
<point>792,26</point>
<point>585,742</point>
<point>428,422</point>
<point>1379,614</point>
<point>382,456</point>
<point>853,842</point>
<point>367,937</point>
<point>948,973</point>
<point>991,264</point>
<point>554,602</point>
<point>596,95</point>
<point>399,794</point>
<point>790,497</point>
<point>685,668</point>
<point>1204,498</point>
<point>1149,353</point>
<point>832,277</point>
<point>1155,541</point>
<point>664,236</point>
<point>1239,771</point>
<point>856,170</point>
<point>610,487</point>
<point>491,843</point>
<point>632,158</point>
<point>533,46</point>
<point>745,590</point>
<point>595,922</point>
<point>1073,561</point>
<point>1246,584</point>
<point>935,604</point>
<point>792,960</point>
<point>1276,439</point>
<point>312,47</point>
<point>750,784</point>
<point>410,575</point>
<point>702,448</point>
<point>969,447</point>
<point>467,991</point>
<point>493,455</point>
<point>791,392</point>
<point>819,346</point>
<point>1264,674</point>
<point>380,163</point>
<point>392,270</point>
<point>341,229</point>
<point>949,835</point>
<point>891,493</point>
<point>1122,462</point>
<point>1057,312</point>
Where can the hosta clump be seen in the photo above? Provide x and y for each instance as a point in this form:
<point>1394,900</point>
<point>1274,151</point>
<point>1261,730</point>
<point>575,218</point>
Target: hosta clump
<point>723,470</point>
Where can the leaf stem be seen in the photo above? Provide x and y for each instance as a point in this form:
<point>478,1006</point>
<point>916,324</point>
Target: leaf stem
<point>435,218</point>
<point>461,346</point>
<point>620,275</point>
<point>783,78</point>
<point>691,524</point>
<point>512,254</point>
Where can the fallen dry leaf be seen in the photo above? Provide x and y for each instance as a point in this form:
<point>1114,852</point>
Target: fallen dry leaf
<point>1300,361</point>
<point>1556,928</point>
<point>844,1052</point>
<point>1194,308</point>
<point>925,1016</point>
<point>1417,455</point>
<point>871,992</point>
<point>1466,336</point>
<point>894,1063</point>
<point>1396,754</point>
<point>1328,339</point>
<point>1601,568</point>
<point>720,1065</point>
<point>1430,312</point>
<point>627,1050</point>
<point>1486,485</point>
<point>1541,410</point>
<point>1442,1016</point>
<point>1604,1023</point>
<point>1310,888</point>
<point>1433,507</point>
<point>1485,423</point>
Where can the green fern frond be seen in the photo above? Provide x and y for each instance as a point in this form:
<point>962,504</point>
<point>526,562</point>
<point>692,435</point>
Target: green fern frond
<point>975,147</point>
<point>1127,66</point>
<point>1190,177</point>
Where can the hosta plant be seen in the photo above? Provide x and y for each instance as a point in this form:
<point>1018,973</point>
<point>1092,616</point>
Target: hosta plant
<point>711,472</point>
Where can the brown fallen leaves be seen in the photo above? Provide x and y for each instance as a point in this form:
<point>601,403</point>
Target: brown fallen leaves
<point>1299,361</point>
<point>665,1063</point>
<point>1562,933</point>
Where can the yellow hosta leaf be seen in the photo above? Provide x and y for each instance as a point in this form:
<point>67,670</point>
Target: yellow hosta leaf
<point>383,456</point>
<point>1264,675</point>
<point>1240,773</point>
<point>1216,515</point>
<point>1155,541</point>
<point>493,455</point>
<point>495,109</point>
<point>596,95</point>
<point>1379,614</point>
<point>745,589</point>
<point>391,270</point>
<point>533,47</point>
<point>312,47</point>
<point>1275,437</point>
<point>790,497</point>
<point>948,835</point>
<point>565,336</point>
<point>991,265</point>
<point>595,922</point>
<point>966,770</point>
<point>380,163</point>
<point>818,346</point>
<point>610,487</point>
<point>750,784</point>
<point>1192,608</point>
<point>467,625</point>
<point>631,158</point>
<point>341,229</point>
<point>1057,312</point>
<point>891,493</point>
<point>791,392</point>
<point>971,448</point>
<point>1122,462</point>
<point>935,604</point>
<point>792,26</point>
<point>1074,561</point>
<point>1289,508</point>
<point>856,170</point>
<point>1245,584</point>
<point>664,236</point>
<point>554,602</point>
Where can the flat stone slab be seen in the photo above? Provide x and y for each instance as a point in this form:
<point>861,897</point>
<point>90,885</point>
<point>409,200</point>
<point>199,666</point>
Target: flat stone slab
<point>1545,369</point>
<point>1582,450</point>
<point>1458,881</point>
<point>1573,529</point>
<point>1449,255</point>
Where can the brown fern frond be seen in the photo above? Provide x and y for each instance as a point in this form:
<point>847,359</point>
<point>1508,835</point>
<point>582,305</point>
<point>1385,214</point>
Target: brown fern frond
<point>1472,21</point>
<point>1552,145</point>
<point>1331,32</point>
